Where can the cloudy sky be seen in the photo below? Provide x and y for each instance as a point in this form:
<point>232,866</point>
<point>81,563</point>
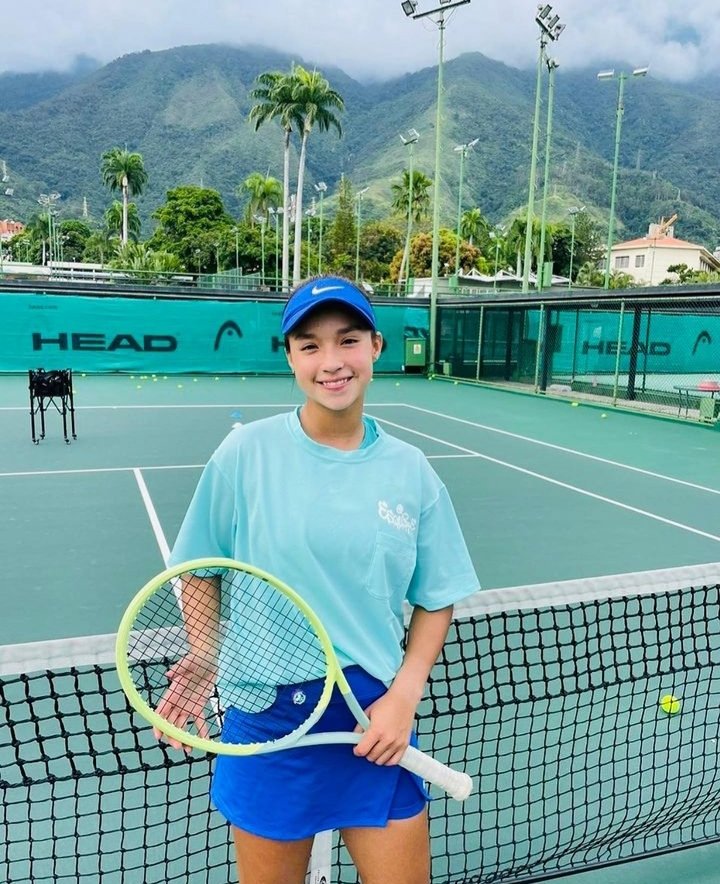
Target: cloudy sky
<point>368,38</point>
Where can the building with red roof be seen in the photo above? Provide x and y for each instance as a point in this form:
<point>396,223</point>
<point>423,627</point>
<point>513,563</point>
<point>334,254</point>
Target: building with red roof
<point>649,258</point>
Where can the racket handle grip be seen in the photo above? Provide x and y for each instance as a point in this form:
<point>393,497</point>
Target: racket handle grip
<point>455,782</point>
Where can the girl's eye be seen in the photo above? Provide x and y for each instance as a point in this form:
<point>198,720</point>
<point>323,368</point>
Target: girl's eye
<point>350,340</point>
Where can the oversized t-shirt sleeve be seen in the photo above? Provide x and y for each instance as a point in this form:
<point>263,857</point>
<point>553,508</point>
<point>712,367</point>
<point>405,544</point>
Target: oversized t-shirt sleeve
<point>444,572</point>
<point>209,525</point>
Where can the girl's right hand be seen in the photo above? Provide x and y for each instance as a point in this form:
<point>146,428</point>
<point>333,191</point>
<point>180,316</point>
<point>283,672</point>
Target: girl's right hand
<point>192,685</point>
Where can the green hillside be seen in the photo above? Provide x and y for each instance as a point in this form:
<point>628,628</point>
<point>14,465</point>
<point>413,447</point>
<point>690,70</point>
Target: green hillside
<point>185,110</point>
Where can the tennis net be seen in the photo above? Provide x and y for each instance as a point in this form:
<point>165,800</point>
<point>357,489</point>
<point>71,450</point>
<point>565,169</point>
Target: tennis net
<point>548,695</point>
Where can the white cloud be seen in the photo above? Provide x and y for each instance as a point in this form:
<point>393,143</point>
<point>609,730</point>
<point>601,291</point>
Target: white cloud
<point>369,38</point>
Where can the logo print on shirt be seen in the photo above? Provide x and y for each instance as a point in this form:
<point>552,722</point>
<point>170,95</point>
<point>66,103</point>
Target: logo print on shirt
<point>398,518</point>
<point>298,697</point>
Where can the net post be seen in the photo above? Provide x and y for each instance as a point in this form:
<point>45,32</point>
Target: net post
<point>320,868</point>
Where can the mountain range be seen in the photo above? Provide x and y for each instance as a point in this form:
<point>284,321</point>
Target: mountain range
<point>186,111</point>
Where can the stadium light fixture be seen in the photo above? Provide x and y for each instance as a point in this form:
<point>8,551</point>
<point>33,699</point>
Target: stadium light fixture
<point>409,7</point>
<point>550,30</point>
<point>440,14</point>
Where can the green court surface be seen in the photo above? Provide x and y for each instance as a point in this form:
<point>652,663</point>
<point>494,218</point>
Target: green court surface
<point>546,492</point>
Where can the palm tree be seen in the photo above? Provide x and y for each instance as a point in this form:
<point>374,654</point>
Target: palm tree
<point>421,185</point>
<point>118,215</point>
<point>473,225</point>
<point>124,171</point>
<point>274,94</point>
<point>37,231</point>
<point>420,198</point>
<point>515,240</point>
<point>318,105</point>
<point>265,193</point>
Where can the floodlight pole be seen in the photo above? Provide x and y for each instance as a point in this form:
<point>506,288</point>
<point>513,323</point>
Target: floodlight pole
<point>550,29</point>
<point>552,67</point>
<point>533,168</point>
<point>619,113</point>
<point>573,215</point>
<point>463,150</point>
<point>359,197</point>
<point>410,143</point>
<point>447,5</point>
<point>321,187</point>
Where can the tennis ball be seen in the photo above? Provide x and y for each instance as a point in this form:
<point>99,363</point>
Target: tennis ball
<point>603,415</point>
<point>669,704</point>
<point>180,386</point>
<point>397,383</point>
<point>574,404</point>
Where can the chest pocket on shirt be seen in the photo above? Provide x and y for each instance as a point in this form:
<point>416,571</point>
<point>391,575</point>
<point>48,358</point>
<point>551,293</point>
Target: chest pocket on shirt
<point>392,565</point>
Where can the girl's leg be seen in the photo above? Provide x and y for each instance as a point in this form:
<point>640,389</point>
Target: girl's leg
<point>264,861</point>
<point>399,852</point>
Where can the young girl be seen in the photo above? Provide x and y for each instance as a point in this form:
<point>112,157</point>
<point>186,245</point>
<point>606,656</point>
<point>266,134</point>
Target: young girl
<point>357,522</point>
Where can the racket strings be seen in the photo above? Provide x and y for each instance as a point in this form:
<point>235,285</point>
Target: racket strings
<point>227,655</point>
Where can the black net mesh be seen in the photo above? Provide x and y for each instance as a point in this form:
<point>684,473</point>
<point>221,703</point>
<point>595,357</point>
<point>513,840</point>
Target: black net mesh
<point>555,711</point>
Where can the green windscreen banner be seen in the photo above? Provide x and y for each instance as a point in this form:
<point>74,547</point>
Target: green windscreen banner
<point>144,335</point>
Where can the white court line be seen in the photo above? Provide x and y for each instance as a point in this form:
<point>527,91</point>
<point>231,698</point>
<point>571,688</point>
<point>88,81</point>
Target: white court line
<point>557,482</point>
<point>153,516</point>
<point>179,466</point>
<point>605,460</point>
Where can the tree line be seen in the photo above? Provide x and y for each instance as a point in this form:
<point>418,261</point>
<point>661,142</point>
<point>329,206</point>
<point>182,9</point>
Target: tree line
<point>195,234</point>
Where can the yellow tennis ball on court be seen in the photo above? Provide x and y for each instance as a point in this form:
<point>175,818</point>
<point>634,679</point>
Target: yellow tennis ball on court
<point>603,415</point>
<point>669,704</point>
<point>574,404</point>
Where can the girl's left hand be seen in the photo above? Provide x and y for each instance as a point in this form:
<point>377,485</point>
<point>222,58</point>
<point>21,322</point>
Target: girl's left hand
<point>388,735</point>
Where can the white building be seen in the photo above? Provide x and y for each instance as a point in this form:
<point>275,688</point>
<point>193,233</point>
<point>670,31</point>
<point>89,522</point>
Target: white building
<point>647,259</point>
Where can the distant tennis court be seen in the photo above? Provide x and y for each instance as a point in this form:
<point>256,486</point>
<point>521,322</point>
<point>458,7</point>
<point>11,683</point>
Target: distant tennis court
<point>548,689</point>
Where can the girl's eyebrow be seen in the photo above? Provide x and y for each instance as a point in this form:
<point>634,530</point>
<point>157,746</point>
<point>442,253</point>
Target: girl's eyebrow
<point>306,336</point>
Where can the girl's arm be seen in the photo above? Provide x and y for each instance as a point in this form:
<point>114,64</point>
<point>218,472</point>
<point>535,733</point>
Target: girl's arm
<point>192,678</point>
<point>393,715</point>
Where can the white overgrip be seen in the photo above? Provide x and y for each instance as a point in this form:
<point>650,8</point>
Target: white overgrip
<point>455,782</point>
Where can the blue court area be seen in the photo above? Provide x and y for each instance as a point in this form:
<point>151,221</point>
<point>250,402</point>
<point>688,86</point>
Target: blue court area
<point>553,709</point>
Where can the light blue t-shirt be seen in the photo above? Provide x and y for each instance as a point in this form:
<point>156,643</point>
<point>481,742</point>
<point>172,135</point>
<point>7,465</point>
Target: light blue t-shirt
<point>356,533</point>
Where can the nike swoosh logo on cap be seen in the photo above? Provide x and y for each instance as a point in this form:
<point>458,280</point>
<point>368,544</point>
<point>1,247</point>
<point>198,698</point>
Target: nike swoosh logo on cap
<point>315,290</point>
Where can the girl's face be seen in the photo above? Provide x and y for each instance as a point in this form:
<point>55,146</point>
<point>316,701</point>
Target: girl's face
<point>332,357</point>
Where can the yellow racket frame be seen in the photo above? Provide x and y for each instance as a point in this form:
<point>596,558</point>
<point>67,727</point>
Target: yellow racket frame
<point>333,676</point>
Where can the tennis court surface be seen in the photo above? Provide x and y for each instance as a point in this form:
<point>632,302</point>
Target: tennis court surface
<point>548,690</point>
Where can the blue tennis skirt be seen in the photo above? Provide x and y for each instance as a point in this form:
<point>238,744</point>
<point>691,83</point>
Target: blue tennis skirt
<point>296,793</point>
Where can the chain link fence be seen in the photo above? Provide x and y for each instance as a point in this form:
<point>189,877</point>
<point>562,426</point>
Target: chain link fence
<point>660,354</point>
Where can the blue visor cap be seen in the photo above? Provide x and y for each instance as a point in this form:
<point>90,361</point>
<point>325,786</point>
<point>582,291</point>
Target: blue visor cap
<point>329,289</point>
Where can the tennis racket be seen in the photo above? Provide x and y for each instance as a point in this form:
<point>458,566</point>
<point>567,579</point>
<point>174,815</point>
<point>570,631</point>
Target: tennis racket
<point>207,649</point>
